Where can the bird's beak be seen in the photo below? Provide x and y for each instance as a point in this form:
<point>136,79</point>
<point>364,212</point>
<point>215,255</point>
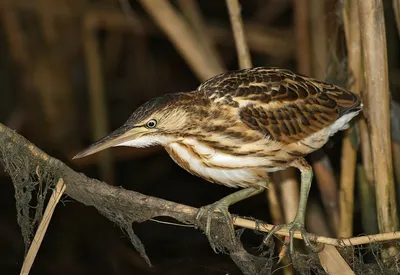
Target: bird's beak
<point>117,137</point>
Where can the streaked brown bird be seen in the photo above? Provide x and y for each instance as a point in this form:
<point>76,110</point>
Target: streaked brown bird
<point>237,127</point>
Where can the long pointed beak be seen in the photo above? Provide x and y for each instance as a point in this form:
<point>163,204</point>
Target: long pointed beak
<point>114,139</point>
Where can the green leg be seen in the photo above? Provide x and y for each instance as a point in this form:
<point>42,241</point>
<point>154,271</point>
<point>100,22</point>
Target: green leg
<point>298,223</point>
<point>223,205</point>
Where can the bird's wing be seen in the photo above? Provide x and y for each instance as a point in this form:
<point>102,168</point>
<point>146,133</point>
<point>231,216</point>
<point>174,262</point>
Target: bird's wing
<point>285,106</point>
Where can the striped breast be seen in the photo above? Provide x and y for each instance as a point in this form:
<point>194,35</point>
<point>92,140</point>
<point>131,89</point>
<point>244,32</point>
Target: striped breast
<point>220,168</point>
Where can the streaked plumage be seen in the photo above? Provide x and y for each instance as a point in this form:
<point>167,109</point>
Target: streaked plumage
<point>238,126</point>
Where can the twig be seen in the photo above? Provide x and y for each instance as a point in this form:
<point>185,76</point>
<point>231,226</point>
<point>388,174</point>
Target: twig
<point>238,33</point>
<point>42,228</point>
<point>180,34</point>
<point>95,193</point>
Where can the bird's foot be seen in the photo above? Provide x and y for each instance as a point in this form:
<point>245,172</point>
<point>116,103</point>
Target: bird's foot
<point>295,226</point>
<point>219,206</point>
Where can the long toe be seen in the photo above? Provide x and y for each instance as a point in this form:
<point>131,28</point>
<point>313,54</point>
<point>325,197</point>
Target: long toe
<point>271,233</point>
<point>293,227</point>
<point>209,210</point>
<point>313,247</point>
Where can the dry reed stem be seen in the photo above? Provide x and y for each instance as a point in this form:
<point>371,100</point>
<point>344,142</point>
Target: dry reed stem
<point>42,228</point>
<point>301,21</point>
<point>366,151</point>
<point>238,33</point>
<point>318,36</point>
<point>97,97</point>
<point>181,36</point>
<point>377,109</point>
<point>333,263</point>
<point>347,182</point>
<point>192,12</point>
<point>349,152</point>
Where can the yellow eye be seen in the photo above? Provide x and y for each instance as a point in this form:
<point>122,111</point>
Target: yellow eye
<point>151,123</point>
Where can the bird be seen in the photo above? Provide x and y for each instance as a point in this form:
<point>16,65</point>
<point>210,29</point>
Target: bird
<point>239,126</point>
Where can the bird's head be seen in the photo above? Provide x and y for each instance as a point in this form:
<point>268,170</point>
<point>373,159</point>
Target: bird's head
<point>158,121</point>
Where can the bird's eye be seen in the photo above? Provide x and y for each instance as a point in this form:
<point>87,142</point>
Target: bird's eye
<point>151,123</point>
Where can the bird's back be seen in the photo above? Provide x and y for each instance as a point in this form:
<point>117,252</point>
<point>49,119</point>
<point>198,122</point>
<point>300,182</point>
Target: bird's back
<point>280,104</point>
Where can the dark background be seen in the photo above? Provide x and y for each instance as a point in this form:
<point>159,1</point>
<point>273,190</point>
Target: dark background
<point>44,95</point>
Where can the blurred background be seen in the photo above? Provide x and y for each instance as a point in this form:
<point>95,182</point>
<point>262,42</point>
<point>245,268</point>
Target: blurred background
<point>71,71</point>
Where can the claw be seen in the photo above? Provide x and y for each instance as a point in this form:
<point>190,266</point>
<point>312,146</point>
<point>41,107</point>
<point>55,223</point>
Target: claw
<point>210,209</point>
<point>292,228</point>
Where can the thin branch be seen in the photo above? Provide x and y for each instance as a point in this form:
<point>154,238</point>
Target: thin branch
<point>238,33</point>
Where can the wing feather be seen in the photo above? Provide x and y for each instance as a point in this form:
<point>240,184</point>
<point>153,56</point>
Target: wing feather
<point>281,104</point>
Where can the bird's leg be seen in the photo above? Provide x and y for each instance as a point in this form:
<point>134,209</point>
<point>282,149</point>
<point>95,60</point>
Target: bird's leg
<point>298,223</point>
<point>222,206</point>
